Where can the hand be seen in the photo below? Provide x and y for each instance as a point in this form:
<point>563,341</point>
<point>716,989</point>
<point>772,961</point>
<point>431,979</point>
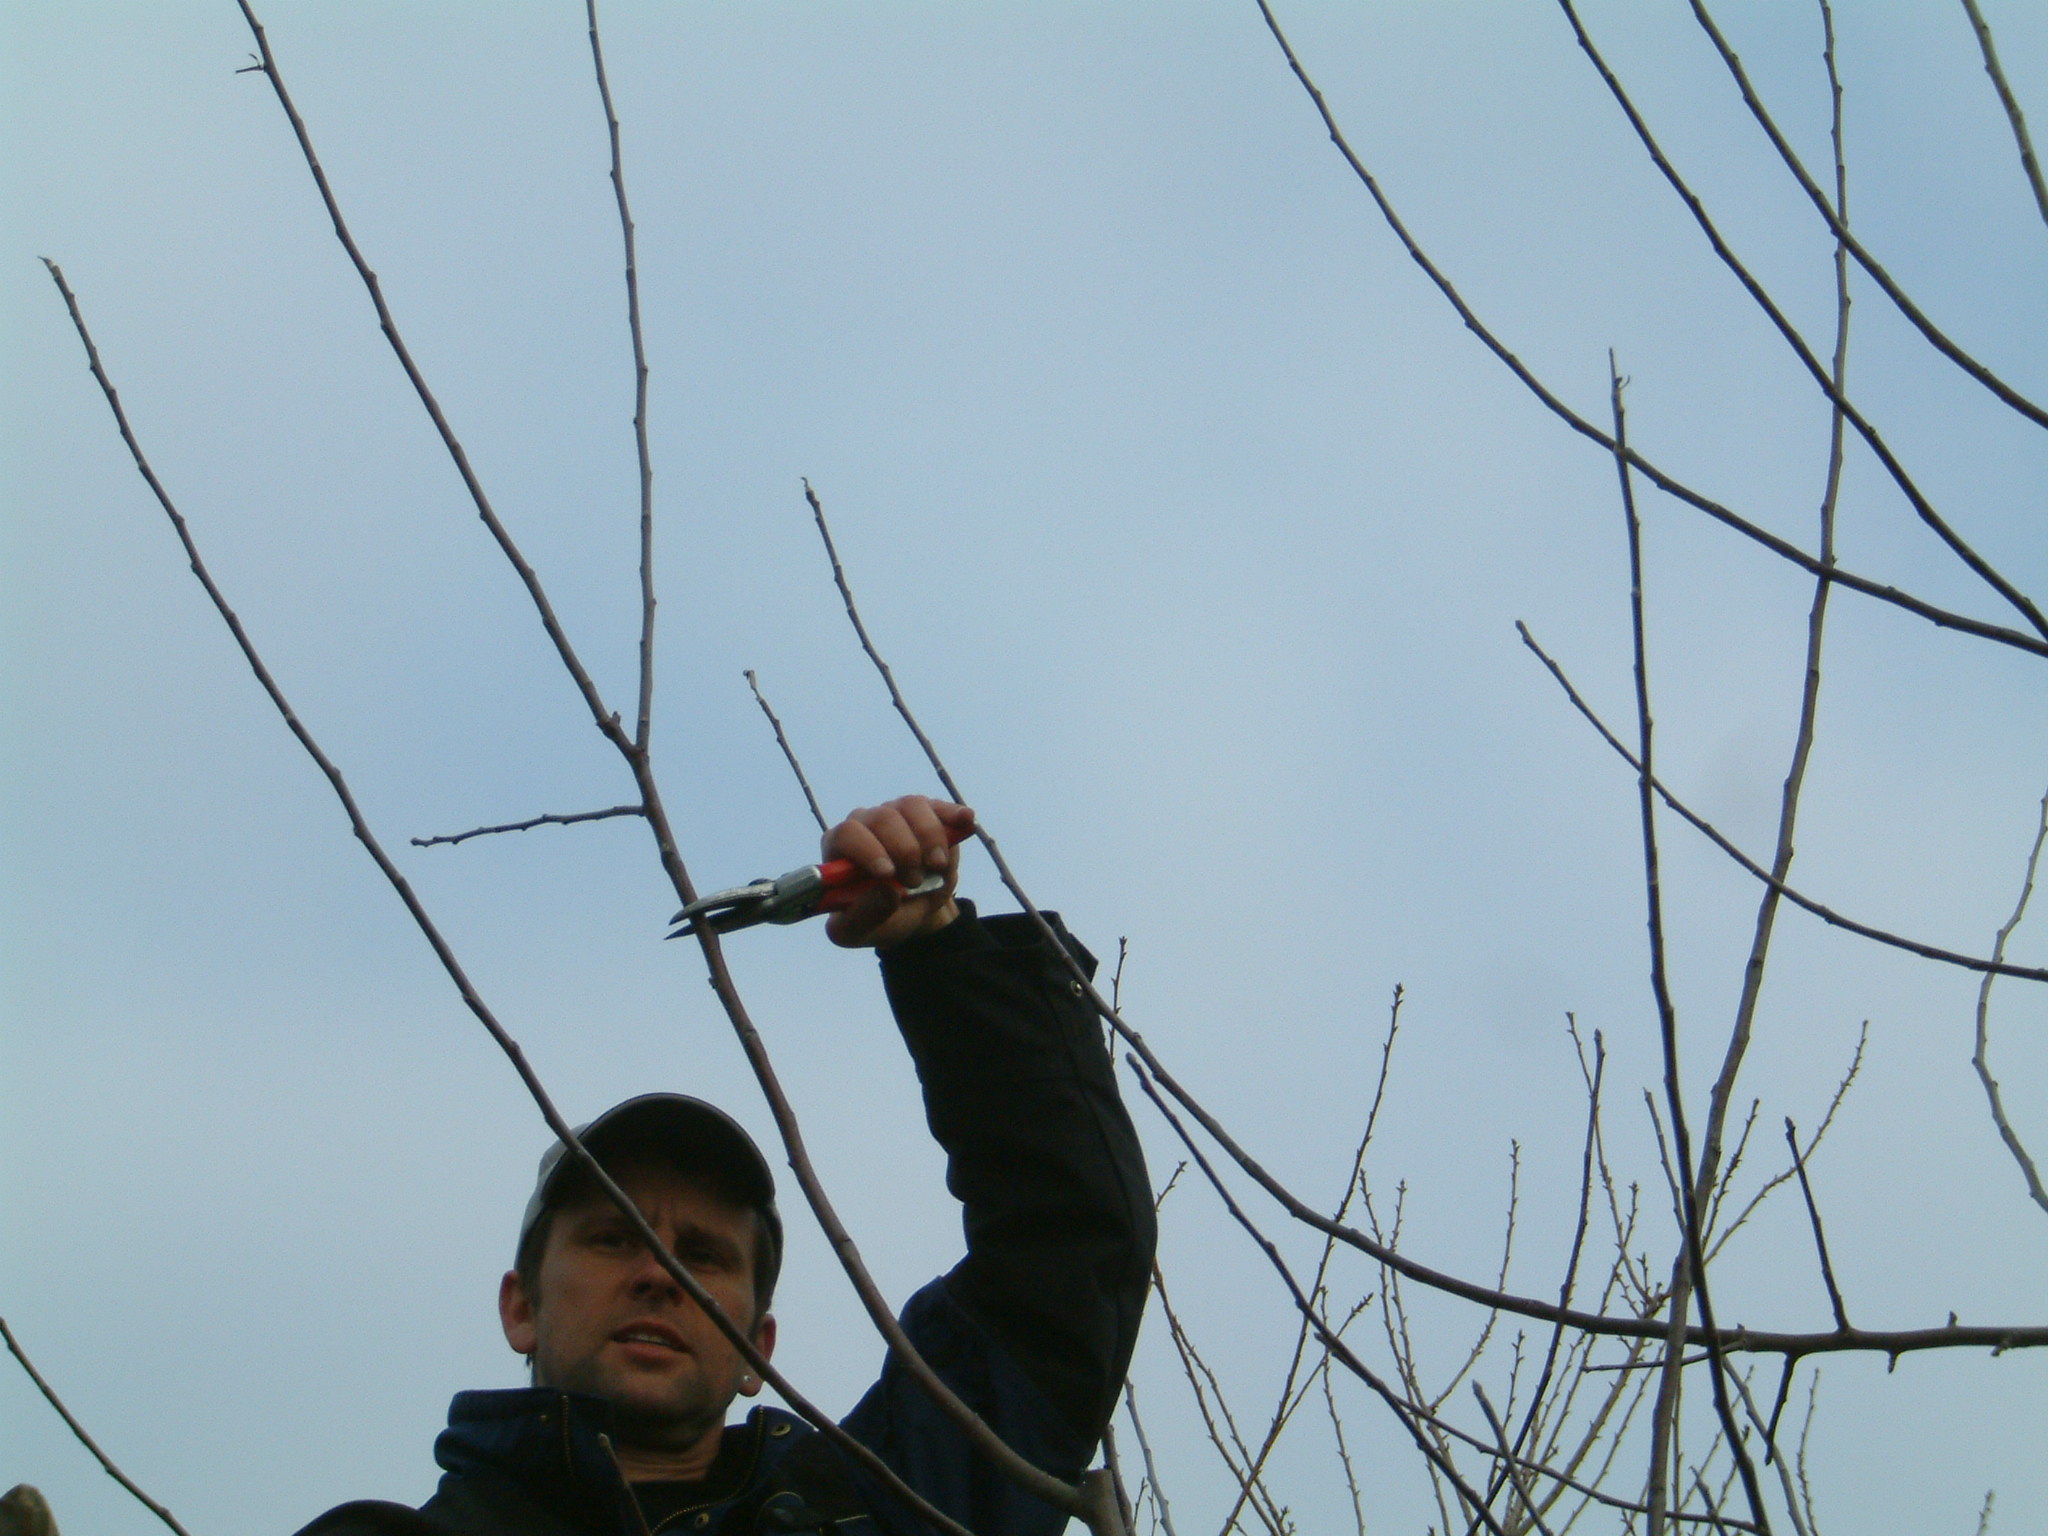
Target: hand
<point>899,844</point>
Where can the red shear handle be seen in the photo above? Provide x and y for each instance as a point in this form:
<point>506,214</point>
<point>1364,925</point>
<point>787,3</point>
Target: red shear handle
<point>845,883</point>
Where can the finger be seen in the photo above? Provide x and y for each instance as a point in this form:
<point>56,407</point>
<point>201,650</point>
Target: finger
<point>862,923</point>
<point>899,839</point>
<point>935,847</point>
<point>854,839</point>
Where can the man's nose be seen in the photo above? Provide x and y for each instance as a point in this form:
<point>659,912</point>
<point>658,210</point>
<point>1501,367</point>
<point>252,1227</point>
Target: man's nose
<point>651,1278</point>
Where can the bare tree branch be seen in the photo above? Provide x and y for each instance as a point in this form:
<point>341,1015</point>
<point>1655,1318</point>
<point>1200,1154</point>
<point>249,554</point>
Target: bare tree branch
<point>1507,1459</point>
<point>1829,382</point>
<point>1799,1525</point>
<point>1225,1438</point>
<point>1151,1467</point>
<point>1936,337</point>
<point>643,724</point>
<point>1732,1340</point>
<point>1671,486</point>
<point>550,820</point>
<point>1707,829</point>
<point>1723,1091</point>
<point>1693,1265</point>
<point>788,752</point>
<point>1820,1237</point>
<point>1826,1120</point>
<point>106,1462</point>
<point>2028,162</point>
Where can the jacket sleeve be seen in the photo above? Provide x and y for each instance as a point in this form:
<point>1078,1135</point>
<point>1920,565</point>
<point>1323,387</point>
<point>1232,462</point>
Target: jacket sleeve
<point>1020,1092</point>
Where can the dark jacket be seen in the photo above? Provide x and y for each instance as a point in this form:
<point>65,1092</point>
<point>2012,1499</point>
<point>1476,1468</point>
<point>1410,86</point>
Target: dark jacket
<point>1033,1328</point>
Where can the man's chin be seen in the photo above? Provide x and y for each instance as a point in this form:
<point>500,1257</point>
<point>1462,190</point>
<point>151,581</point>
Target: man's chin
<point>658,1414</point>
<point>664,1426</point>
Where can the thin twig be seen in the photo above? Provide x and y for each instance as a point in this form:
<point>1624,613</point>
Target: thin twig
<point>1151,1467</point>
<point>1826,1120</point>
<point>1236,1461</point>
<point>1410,1411</point>
<point>606,722</point>
<point>643,725</point>
<point>1820,1237</point>
<point>1507,1458</point>
<point>1667,483</point>
<point>1342,1351</point>
<point>2028,162</point>
<point>632,1498</point>
<point>1113,1464</point>
<point>788,752</point>
<point>1799,1524</point>
<point>1290,1397</point>
<point>473,1000</point>
<point>1979,1058</point>
<point>1594,1082</point>
<point>550,820</point>
<point>1715,836</point>
<point>1344,1453</point>
<point>106,1462</point>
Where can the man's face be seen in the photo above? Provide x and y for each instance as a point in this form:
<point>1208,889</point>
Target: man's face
<point>610,1321</point>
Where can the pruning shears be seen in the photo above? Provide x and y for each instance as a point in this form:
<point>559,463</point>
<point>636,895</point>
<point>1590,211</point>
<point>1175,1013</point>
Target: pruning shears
<point>832,886</point>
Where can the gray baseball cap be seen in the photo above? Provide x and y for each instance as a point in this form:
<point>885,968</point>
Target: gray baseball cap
<point>690,1136</point>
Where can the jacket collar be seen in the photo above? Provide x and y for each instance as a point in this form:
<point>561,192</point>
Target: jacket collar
<point>544,1440</point>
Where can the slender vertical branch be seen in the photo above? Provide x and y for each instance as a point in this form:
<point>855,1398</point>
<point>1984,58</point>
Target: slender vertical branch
<point>643,722</point>
<point>2028,161</point>
<point>1979,1058</point>
<point>1151,1467</point>
<point>1344,1453</point>
<point>1691,1266</point>
<point>1799,1525</point>
<point>1816,625</point>
<point>788,753</point>
<point>106,1462</point>
<point>1507,1459</point>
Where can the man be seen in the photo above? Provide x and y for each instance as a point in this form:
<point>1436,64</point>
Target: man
<point>623,1432</point>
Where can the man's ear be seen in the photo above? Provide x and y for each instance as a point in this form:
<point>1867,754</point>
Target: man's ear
<point>764,1341</point>
<point>516,1314</point>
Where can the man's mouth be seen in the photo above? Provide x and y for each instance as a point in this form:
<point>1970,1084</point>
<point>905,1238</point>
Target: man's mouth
<point>649,1333</point>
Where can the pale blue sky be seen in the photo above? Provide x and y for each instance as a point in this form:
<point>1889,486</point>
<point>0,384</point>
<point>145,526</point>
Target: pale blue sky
<point>1195,525</point>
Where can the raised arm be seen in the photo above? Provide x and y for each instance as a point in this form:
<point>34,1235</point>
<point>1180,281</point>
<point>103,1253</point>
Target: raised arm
<point>1039,1319</point>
